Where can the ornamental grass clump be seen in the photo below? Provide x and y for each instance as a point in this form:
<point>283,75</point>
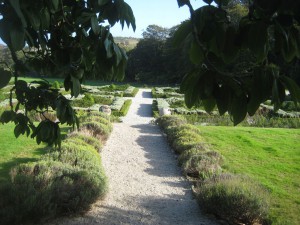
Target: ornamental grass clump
<point>234,198</point>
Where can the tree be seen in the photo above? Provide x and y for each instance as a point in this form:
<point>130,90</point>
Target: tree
<point>156,32</point>
<point>146,62</point>
<point>63,38</point>
<point>214,42</point>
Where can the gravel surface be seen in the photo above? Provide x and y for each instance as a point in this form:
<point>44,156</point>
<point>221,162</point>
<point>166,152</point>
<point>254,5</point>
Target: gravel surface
<point>146,185</point>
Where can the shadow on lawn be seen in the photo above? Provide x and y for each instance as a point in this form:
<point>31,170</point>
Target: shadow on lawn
<point>5,167</point>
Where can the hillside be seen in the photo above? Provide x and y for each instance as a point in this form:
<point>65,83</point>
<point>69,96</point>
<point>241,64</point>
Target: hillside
<point>128,43</point>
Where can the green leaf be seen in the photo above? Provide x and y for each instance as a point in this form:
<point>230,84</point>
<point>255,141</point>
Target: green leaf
<point>222,96</point>
<point>261,88</point>
<point>208,1</point>
<point>184,29</point>
<point>189,87</point>
<point>18,130</point>
<point>182,2</point>
<point>230,50</point>
<point>222,2</point>
<point>45,18</point>
<point>16,5</point>
<point>102,2</point>
<point>17,36</point>
<point>5,31</point>
<point>55,4</point>
<point>78,73</point>
<point>275,95</point>
<point>75,87</point>
<point>118,53</point>
<point>238,109</point>
<point>209,104</point>
<point>7,116</point>
<point>5,77</point>
<point>258,40</point>
<point>108,48</point>
<point>293,88</point>
<point>95,26</point>
<point>196,53</point>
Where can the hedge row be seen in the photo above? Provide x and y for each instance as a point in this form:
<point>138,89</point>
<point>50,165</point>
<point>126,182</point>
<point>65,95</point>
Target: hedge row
<point>62,182</point>
<point>124,109</point>
<point>130,92</point>
<point>234,198</point>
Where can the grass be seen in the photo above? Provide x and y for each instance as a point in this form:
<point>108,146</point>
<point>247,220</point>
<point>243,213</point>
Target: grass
<point>15,151</point>
<point>271,156</point>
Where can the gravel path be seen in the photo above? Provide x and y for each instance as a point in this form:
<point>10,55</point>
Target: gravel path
<point>145,183</point>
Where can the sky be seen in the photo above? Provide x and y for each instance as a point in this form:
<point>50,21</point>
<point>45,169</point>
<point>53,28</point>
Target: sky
<point>164,13</point>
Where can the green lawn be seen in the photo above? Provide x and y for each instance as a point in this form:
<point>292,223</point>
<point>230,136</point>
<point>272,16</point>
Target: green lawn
<point>271,156</point>
<point>14,151</point>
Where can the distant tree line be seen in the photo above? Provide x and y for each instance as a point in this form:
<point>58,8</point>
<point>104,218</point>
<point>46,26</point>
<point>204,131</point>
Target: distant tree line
<point>155,59</point>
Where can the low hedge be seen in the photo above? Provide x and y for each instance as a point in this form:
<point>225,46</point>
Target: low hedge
<point>103,99</point>
<point>155,112</point>
<point>124,110</point>
<point>203,165</point>
<point>233,198</point>
<point>96,143</point>
<point>130,92</point>
<point>63,181</point>
<point>99,130</point>
<point>46,189</point>
<point>86,101</point>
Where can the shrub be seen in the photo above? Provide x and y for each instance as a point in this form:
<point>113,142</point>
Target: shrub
<point>98,119</point>
<point>96,143</point>
<point>75,153</point>
<point>124,109</point>
<point>98,129</point>
<point>170,121</point>
<point>46,189</point>
<point>196,150</point>
<point>155,112</point>
<point>234,198</point>
<point>112,87</point>
<point>130,92</point>
<point>174,132</point>
<point>103,99</point>
<point>162,103</point>
<point>94,113</point>
<point>117,104</point>
<point>86,101</point>
<point>186,141</point>
<point>203,165</point>
<point>56,85</point>
<point>157,93</point>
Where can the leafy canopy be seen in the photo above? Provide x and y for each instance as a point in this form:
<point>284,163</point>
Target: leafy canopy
<point>215,42</point>
<point>58,37</point>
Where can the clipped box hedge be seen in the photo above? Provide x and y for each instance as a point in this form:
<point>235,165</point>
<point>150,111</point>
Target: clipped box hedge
<point>124,109</point>
<point>130,92</point>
